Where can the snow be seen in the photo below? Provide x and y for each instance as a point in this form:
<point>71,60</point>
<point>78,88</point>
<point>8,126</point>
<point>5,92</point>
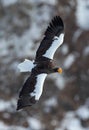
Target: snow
<point>20,43</point>
<point>51,102</point>
<point>69,61</point>
<point>4,105</point>
<point>72,119</point>
<point>34,123</point>
<point>51,2</point>
<point>9,2</point>
<point>56,43</point>
<point>39,86</point>
<point>24,46</point>
<point>54,122</point>
<point>83,112</point>
<point>60,82</point>
<point>64,49</point>
<point>35,31</point>
<point>3,126</point>
<point>82,14</point>
<point>7,105</point>
<point>3,48</point>
<point>71,122</point>
<point>76,35</point>
<point>86,51</point>
<point>58,79</point>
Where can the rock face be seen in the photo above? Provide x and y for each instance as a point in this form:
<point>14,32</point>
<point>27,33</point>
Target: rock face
<point>64,103</point>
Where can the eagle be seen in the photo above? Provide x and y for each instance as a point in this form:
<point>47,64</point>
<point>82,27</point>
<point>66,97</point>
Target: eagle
<point>42,65</point>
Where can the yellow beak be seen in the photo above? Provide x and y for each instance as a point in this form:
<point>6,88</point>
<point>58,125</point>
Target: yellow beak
<point>59,70</point>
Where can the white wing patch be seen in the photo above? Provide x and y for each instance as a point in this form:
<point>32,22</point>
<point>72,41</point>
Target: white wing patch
<point>56,43</point>
<point>39,86</point>
<point>26,66</point>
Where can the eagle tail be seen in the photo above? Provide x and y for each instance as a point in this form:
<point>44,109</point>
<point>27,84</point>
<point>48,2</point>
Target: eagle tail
<point>25,102</point>
<point>26,66</point>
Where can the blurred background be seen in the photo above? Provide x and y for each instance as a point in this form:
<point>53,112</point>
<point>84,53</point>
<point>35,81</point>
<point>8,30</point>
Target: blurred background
<point>64,104</point>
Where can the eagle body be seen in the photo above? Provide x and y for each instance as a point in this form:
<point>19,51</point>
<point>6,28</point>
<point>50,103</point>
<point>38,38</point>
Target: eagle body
<point>42,65</point>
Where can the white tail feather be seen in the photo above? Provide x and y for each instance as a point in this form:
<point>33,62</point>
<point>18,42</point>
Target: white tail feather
<point>26,66</point>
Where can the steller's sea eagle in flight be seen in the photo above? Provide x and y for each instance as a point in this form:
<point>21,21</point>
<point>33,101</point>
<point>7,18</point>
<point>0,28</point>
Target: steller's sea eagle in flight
<point>42,65</point>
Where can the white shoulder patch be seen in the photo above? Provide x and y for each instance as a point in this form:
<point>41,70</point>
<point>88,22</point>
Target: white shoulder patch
<point>26,66</point>
<point>39,86</point>
<point>55,44</point>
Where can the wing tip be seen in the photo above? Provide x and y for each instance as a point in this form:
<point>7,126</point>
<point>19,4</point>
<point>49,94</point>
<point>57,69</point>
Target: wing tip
<point>57,20</point>
<point>55,27</point>
<point>25,102</point>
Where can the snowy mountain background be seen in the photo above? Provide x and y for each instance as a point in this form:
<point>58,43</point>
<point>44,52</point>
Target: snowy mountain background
<point>64,104</point>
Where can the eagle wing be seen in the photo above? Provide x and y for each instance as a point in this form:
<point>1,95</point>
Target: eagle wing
<point>31,90</point>
<point>53,38</point>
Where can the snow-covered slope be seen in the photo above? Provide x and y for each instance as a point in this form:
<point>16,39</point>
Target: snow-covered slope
<point>64,103</point>
<point>82,14</point>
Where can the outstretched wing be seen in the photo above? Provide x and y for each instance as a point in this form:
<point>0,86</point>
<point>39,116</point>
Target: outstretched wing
<point>31,90</point>
<point>52,40</point>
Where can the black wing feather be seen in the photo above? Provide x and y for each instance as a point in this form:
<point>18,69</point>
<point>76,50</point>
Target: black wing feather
<point>24,96</point>
<point>55,28</point>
